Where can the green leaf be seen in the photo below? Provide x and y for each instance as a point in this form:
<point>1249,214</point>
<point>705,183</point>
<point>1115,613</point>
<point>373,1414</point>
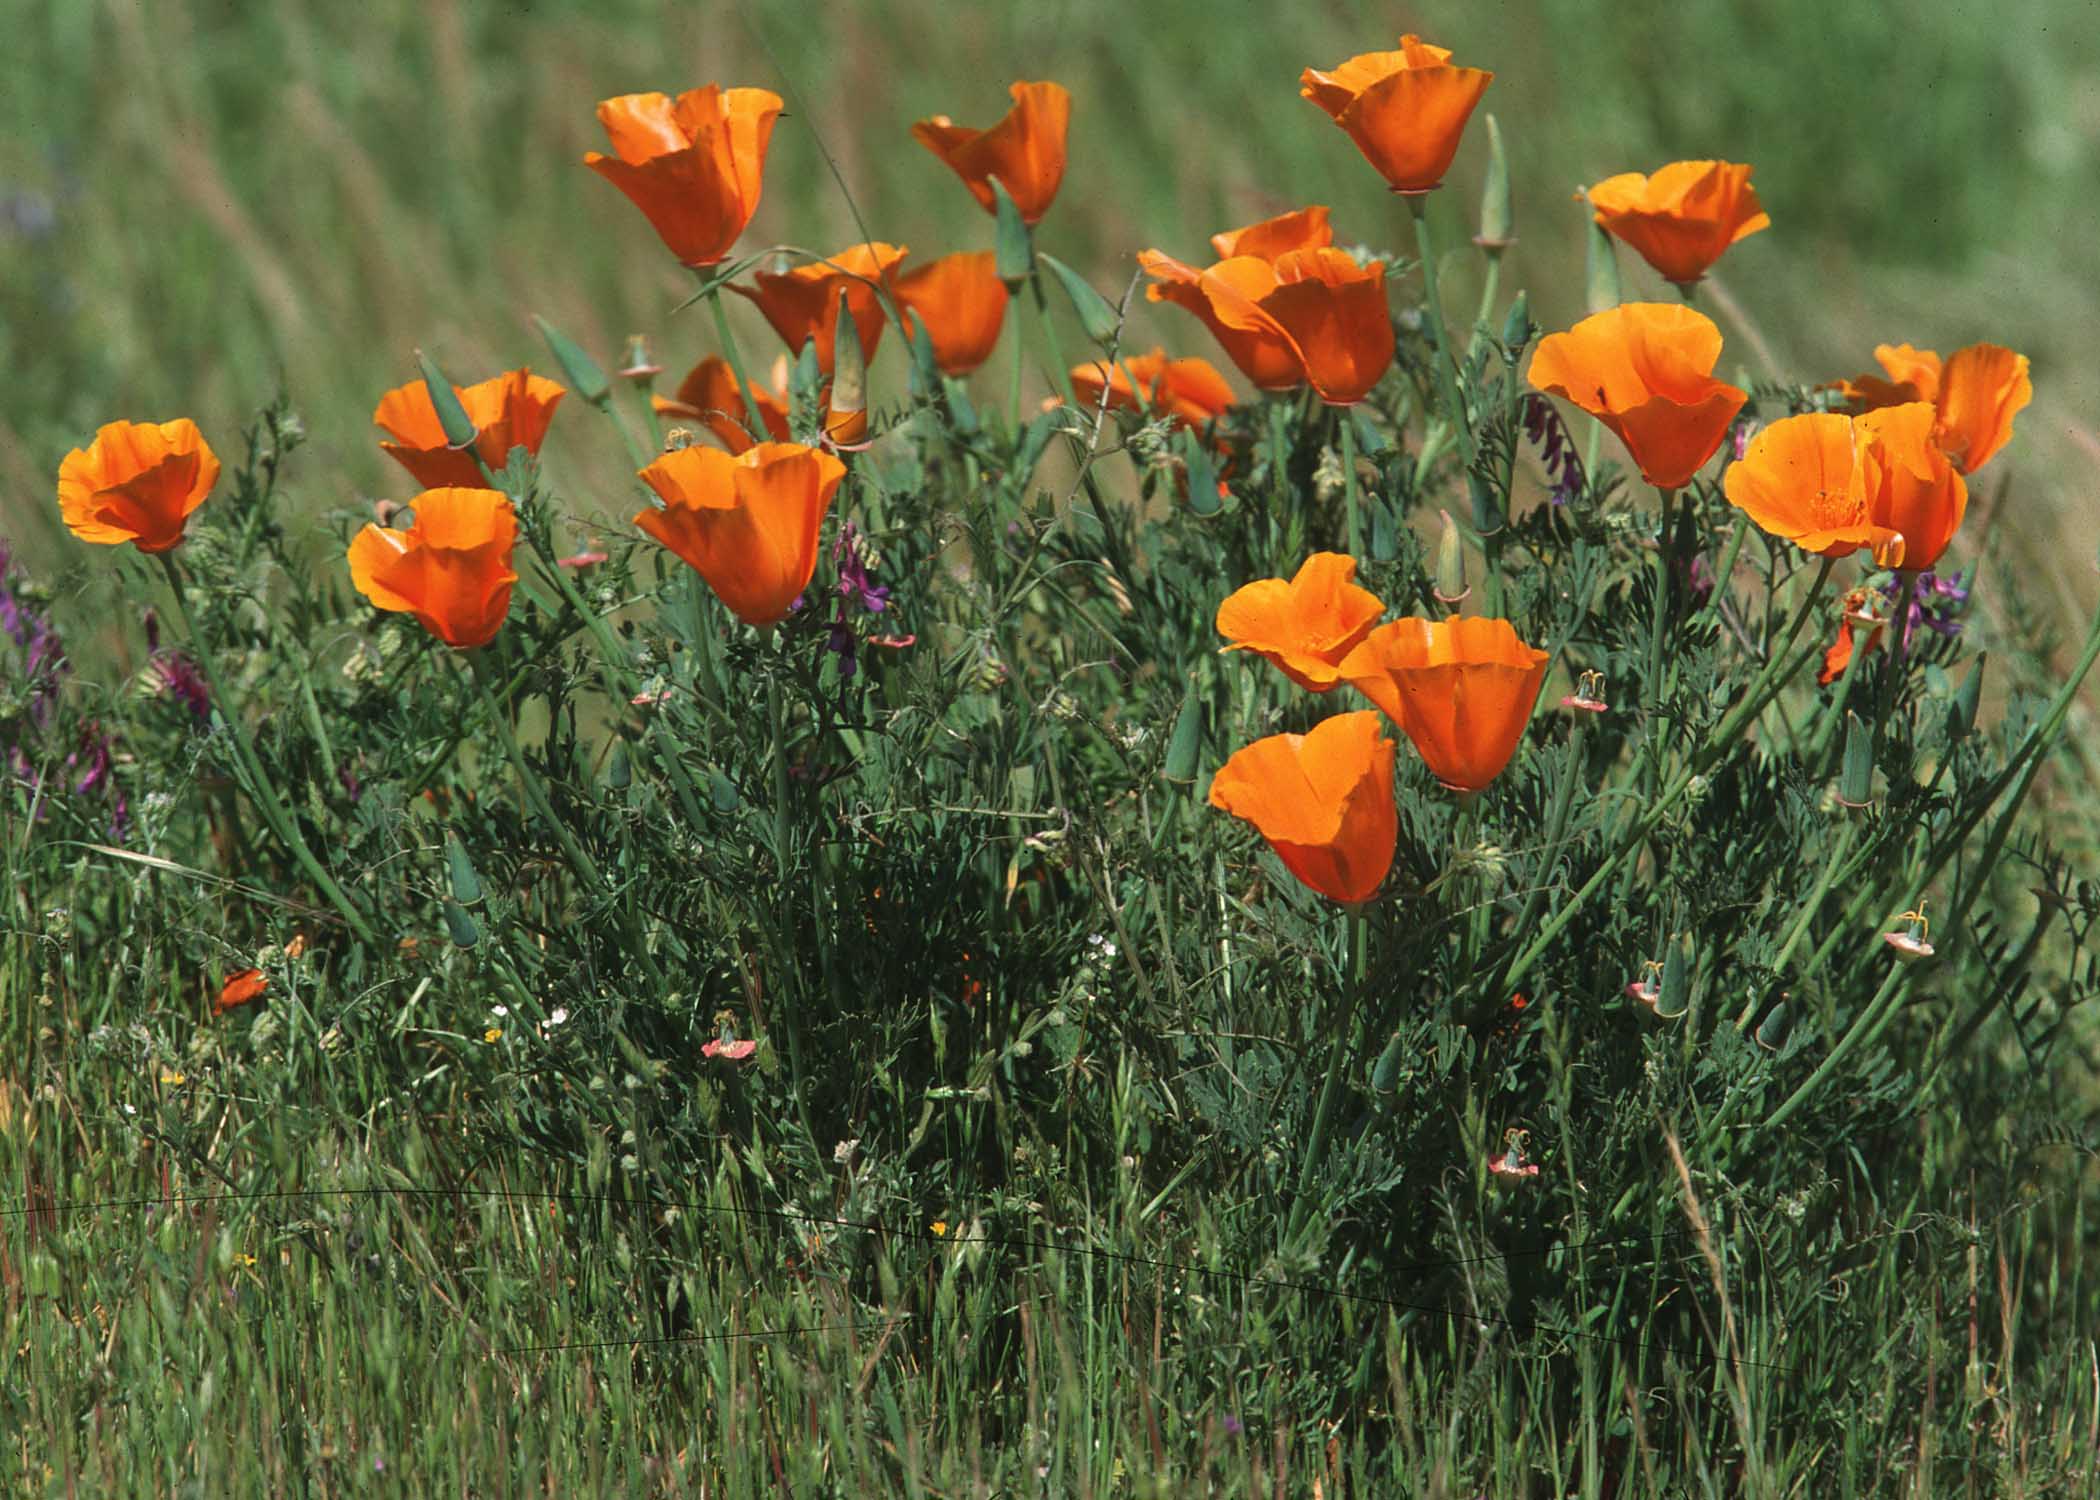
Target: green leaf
<point>583,373</point>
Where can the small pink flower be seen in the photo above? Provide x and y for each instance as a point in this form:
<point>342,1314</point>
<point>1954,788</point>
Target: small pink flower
<point>1588,696</point>
<point>584,559</point>
<point>734,1051</point>
<point>894,642</point>
<point>650,697</point>
<point>1512,1161</point>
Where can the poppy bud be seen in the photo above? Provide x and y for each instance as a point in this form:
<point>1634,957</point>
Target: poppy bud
<point>582,372</point>
<point>460,926</point>
<point>444,400</point>
<point>1961,715</point>
<point>619,771</point>
<point>1676,996</point>
<point>1497,217</point>
<point>1856,781</point>
<point>1602,271</point>
<point>1097,315</point>
<point>1517,328</point>
<point>1013,246</point>
<point>846,419</point>
<point>1775,1028</point>
<point>1385,1076</point>
<point>466,884</point>
<point>1451,586</point>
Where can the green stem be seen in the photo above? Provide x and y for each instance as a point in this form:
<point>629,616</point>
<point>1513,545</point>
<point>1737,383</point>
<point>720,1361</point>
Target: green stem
<point>535,794</point>
<point>1433,322</point>
<point>1349,496</point>
<point>787,1015</point>
<point>1060,373</point>
<point>1337,1058</point>
<point>265,796</point>
<point>1722,574</point>
<point>727,338</point>
<point>1652,694</point>
<point>1488,292</point>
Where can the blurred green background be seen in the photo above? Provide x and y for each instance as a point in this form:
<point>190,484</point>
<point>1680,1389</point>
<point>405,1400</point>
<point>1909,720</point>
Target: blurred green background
<point>200,197</point>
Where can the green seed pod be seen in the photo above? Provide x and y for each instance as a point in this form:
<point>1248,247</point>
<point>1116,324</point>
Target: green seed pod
<point>1497,216</point>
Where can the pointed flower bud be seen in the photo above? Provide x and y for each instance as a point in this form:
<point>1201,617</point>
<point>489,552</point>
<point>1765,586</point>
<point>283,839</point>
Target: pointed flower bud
<point>1497,216</point>
<point>1451,585</point>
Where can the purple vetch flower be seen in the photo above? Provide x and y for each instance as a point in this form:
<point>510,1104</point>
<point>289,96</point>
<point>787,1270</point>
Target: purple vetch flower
<point>1549,434</point>
<point>178,677</point>
<point>1739,436</point>
<point>1937,604</point>
<point>856,563</point>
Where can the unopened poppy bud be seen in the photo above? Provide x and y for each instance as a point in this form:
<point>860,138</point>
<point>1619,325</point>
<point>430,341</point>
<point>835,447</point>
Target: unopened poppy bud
<point>639,365</point>
<point>444,400</point>
<point>1385,1075</point>
<point>459,869</point>
<point>1603,270</point>
<point>846,415</point>
<point>1909,940</point>
<point>1776,1027</point>
<point>460,925</point>
<point>1497,217</point>
<point>1588,696</point>
<point>1516,328</point>
<point>1961,715</point>
<point>578,368</point>
<point>1013,244</point>
<point>1451,585</point>
<point>1489,516</point>
<point>1676,996</point>
<point>1856,780</point>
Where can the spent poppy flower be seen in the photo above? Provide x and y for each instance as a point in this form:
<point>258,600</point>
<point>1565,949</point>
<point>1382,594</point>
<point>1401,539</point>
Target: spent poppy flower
<point>1838,656</point>
<point>1975,394</point>
<point>1913,488</point>
<point>1190,391</point>
<point>1306,626</point>
<point>1405,110</point>
<point>708,396</point>
<point>961,303</point>
<point>511,410</point>
<point>747,524</point>
<point>242,987</point>
<point>1323,801</point>
<point>136,482</point>
<point>803,304</point>
<point>1025,151</point>
<point>1806,479</point>
<point>1645,370</point>
<point>1683,216</point>
<point>451,568</point>
<point>694,165</point>
<point>1461,689</point>
<point>1326,308</point>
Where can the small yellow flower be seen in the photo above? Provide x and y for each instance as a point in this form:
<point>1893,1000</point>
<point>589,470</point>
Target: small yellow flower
<point>493,1034</point>
<point>245,1262</point>
<point>173,1079</point>
<point>939,1228</point>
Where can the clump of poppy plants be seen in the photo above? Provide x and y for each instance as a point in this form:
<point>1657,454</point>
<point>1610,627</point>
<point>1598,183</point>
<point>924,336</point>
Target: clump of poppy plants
<point>1405,664</point>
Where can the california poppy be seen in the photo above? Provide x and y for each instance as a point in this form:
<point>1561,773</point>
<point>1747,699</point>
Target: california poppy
<point>1025,151</point>
<point>961,302</point>
<point>694,165</point>
<point>242,987</point>
<point>136,482</point>
<point>1264,354</point>
<point>1306,626</point>
<point>1405,110</point>
<point>747,524</point>
<point>450,569</point>
<point>1809,479</point>
<point>1975,394</point>
<point>1327,310</point>
<point>803,304</point>
<point>708,396</point>
<point>1323,801</point>
<point>1191,391</point>
<point>1682,217</point>
<point>511,410</point>
<point>1645,370</point>
<point>1461,689</point>
<point>1838,655</point>
<point>1300,229</point>
<point>1913,488</point>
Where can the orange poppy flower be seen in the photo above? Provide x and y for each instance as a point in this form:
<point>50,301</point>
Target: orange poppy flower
<point>242,987</point>
<point>1191,391</point>
<point>1306,626</point>
<point>707,395</point>
<point>1025,150</point>
<point>450,569</point>
<point>1975,394</point>
<point>1806,479</point>
<point>136,482</point>
<point>1683,217</point>
<point>961,302</point>
<point>1912,487</point>
<point>1839,655</point>
<point>1645,370</point>
<point>694,165</point>
<point>1324,307</point>
<point>1461,689</point>
<point>1405,110</point>
<point>747,524</point>
<point>803,304</point>
<point>1323,800</point>
<point>511,410</point>
<point>1300,229</point>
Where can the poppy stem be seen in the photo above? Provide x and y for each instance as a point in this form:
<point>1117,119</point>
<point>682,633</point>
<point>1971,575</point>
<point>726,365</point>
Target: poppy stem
<point>789,1015</point>
<point>1337,1056</point>
<point>1433,323</point>
<point>1651,704</point>
<point>259,789</point>
<point>727,338</point>
<point>1349,485</point>
<point>1060,375</point>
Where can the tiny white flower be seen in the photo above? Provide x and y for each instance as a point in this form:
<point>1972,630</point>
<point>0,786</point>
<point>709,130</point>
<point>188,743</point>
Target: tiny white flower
<point>561,1014</point>
<point>500,1011</point>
